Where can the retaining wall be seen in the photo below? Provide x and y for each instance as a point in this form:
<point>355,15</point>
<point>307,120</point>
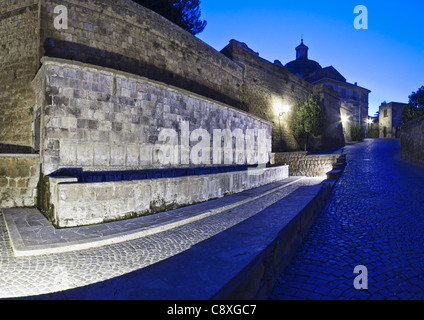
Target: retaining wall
<point>19,175</point>
<point>412,141</point>
<point>303,164</point>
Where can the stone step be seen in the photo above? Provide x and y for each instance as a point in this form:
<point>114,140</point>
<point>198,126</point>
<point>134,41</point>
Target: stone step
<point>339,166</point>
<point>341,158</point>
<point>334,174</point>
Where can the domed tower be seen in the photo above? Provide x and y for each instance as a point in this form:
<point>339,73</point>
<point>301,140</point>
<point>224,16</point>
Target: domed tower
<point>302,66</point>
<point>302,51</point>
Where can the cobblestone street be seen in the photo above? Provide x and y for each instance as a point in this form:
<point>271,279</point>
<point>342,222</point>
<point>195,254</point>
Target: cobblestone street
<point>374,218</point>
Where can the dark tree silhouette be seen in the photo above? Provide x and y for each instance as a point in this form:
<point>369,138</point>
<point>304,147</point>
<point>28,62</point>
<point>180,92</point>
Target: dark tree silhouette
<point>309,119</point>
<point>185,13</point>
<point>415,108</point>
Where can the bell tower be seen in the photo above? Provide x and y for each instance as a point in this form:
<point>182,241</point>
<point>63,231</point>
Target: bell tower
<point>302,51</point>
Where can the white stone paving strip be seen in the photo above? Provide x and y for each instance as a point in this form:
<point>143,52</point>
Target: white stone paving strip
<point>27,276</point>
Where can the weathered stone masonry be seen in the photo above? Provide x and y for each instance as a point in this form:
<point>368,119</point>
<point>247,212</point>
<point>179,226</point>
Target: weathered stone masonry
<point>19,176</point>
<point>304,164</point>
<point>19,62</point>
<point>412,141</point>
<point>100,119</point>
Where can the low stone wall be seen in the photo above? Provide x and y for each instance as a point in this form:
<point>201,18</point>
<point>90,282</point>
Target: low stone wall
<point>19,175</point>
<point>71,204</point>
<point>412,141</point>
<point>303,164</point>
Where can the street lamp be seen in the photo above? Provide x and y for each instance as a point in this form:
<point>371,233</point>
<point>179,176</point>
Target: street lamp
<point>281,109</point>
<point>369,122</point>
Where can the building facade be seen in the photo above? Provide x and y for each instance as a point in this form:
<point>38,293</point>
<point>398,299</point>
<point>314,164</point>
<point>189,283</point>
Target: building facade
<point>353,98</point>
<point>390,117</point>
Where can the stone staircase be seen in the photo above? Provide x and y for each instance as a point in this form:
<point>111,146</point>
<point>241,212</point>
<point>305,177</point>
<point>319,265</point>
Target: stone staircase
<point>338,168</point>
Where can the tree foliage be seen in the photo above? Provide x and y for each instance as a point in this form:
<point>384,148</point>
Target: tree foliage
<point>309,119</point>
<point>185,13</point>
<point>415,108</point>
<point>357,133</point>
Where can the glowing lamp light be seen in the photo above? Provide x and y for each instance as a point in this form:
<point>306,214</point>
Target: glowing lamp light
<point>282,109</point>
<point>345,118</point>
<point>369,121</point>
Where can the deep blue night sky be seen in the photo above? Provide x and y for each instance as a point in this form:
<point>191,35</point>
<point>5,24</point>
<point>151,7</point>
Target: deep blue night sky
<point>387,58</point>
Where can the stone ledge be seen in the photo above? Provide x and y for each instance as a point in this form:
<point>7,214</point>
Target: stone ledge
<point>78,204</point>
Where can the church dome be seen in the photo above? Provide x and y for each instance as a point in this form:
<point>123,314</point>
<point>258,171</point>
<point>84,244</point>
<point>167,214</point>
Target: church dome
<point>302,66</point>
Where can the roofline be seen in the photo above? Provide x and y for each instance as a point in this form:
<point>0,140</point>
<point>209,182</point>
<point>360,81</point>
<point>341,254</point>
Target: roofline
<point>340,82</point>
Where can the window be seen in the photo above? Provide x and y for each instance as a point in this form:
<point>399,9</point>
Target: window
<point>385,113</point>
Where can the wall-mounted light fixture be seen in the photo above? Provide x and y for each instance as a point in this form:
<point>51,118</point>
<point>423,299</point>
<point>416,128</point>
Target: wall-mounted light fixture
<point>282,109</point>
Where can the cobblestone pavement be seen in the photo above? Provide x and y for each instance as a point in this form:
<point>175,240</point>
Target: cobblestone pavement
<point>27,276</point>
<point>374,218</point>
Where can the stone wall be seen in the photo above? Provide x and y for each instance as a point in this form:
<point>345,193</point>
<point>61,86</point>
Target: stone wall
<point>333,137</point>
<point>18,66</point>
<point>116,34</point>
<point>390,117</point>
<point>74,204</point>
<point>267,88</point>
<point>412,141</point>
<point>385,121</point>
<point>101,119</point>
<point>302,164</point>
<point>122,35</point>
<point>19,175</point>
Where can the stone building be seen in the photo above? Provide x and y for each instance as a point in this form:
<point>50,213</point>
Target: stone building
<point>353,98</point>
<point>271,92</point>
<point>373,127</point>
<point>390,116</point>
